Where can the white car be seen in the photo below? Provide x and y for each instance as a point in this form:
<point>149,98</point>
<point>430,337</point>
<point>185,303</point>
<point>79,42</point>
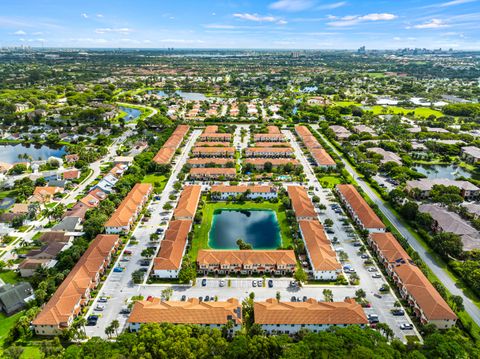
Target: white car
<point>100,307</point>
<point>406,326</point>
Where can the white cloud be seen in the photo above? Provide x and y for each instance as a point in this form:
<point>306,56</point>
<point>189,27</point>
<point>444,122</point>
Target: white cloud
<point>123,30</point>
<point>37,33</point>
<point>282,22</point>
<point>20,33</point>
<point>100,15</point>
<point>432,24</point>
<point>255,17</point>
<point>84,15</point>
<point>292,5</point>
<point>356,19</point>
<point>331,6</point>
<point>452,3</point>
<point>213,14</point>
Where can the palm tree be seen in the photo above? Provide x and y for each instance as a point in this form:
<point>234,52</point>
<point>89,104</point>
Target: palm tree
<point>81,323</point>
<point>115,325</point>
<point>328,295</point>
<point>109,331</point>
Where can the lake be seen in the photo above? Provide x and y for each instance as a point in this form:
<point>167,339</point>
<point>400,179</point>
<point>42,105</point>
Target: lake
<point>443,171</point>
<point>257,227</point>
<point>132,113</point>
<point>9,153</point>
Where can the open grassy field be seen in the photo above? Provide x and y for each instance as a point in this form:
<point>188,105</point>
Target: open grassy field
<point>378,110</point>
<point>7,324</point>
<point>9,276</point>
<point>200,232</point>
<point>329,181</point>
<point>158,181</point>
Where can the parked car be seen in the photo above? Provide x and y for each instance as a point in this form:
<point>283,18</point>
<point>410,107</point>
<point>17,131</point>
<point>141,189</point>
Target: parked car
<point>377,275</point>
<point>222,283</point>
<point>118,269</point>
<point>377,295</point>
<point>293,299</point>
<point>254,283</point>
<point>204,282</point>
<point>260,283</point>
<point>398,312</point>
<point>330,231</point>
<point>184,298</point>
<point>125,310</point>
<point>406,326</point>
<point>373,318</point>
<point>207,298</point>
<point>270,283</point>
<point>92,320</point>
<point>357,244</point>
<point>127,252</point>
<point>372,269</point>
<point>100,307</point>
<point>304,299</point>
<point>364,256</point>
<point>102,299</point>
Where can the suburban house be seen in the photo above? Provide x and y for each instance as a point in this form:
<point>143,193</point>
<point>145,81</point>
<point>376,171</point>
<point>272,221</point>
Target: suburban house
<point>212,173</point>
<point>210,162</point>
<point>276,317</point>
<point>341,133</point>
<point>188,203</point>
<point>471,154</point>
<point>428,305</point>
<point>71,175</point>
<point>168,261</point>
<point>127,212</point>
<point>223,193</point>
<point>301,203</point>
<point>387,156</point>
<point>15,297</point>
<point>359,209</point>
<point>364,129</point>
<point>323,259</point>
<point>259,163</point>
<point>28,267</point>
<point>446,221</point>
<point>213,152</point>
<point>247,262</point>
<point>208,314</point>
<point>45,194</point>
<point>422,187</point>
<point>269,152</point>
<point>74,292</point>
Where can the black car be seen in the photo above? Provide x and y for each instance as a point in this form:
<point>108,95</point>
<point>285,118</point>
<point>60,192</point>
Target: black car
<point>398,312</point>
<point>184,298</point>
<point>204,282</point>
<point>207,298</point>
<point>92,320</point>
<point>304,299</point>
<point>270,283</point>
<point>293,299</point>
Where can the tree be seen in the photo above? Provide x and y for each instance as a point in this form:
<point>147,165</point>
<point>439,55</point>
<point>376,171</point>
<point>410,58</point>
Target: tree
<point>457,302</point>
<point>278,295</point>
<point>242,245</point>
<point>166,294</point>
<point>14,352</point>
<point>148,252</point>
<point>115,325</point>
<point>360,294</point>
<point>328,222</point>
<point>448,244</point>
<point>327,295</point>
<point>386,330</point>
<point>300,275</point>
<point>188,271</point>
<point>137,276</point>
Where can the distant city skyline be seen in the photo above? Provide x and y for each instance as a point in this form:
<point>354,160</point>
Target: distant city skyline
<point>273,24</point>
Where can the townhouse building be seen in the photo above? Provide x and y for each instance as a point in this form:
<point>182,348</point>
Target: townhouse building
<point>259,163</point>
<point>267,152</point>
<point>223,193</point>
<point>212,173</point>
<point>421,188</point>
<point>225,152</point>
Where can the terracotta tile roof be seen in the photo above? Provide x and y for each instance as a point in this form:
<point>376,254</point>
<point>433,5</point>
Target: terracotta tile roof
<point>98,193</point>
<point>118,169</point>
<point>254,150</point>
<point>211,129</point>
<point>164,155</point>
<point>212,144</point>
<point>274,161</point>
<point>64,303</point>
<point>188,202</point>
<point>389,247</point>
<point>424,293</point>
<point>45,194</point>
<point>173,245</point>
<point>272,144</point>
<point>322,256</point>
<point>273,129</point>
<point>190,312</point>
<point>269,136</point>
<point>219,150</point>
<point>90,201</point>
<point>363,211</point>
<point>242,189</point>
<point>322,157</point>
<point>215,136</point>
<point>205,161</point>
<point>130,206</point>
<point>301,203</point>
<point>310,312</point>
<point>74,174</point>
<point>20,208</point>
<point>247,257</point>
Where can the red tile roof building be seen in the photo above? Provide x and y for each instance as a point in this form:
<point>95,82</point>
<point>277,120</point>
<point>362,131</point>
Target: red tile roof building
<point>188,203</point>
<point>166,153</point>
<point>212,173</point>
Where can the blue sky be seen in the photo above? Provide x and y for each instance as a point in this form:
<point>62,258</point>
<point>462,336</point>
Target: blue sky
<point>290,24</point>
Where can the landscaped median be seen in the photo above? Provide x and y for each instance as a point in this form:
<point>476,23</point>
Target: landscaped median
<point>201,231</point>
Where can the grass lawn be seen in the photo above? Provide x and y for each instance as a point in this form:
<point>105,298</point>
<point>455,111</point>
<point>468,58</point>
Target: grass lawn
<point>31,353</point>
<point>329,181</point>
<point>200,232</point>
<point>158,181</point>
<point>9,276</point>
<point>419,111</point>
<point>7,324</point>
<point>10,193</point>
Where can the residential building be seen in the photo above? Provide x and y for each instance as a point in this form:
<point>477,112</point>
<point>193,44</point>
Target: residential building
<point>246,262</point>
<point>168,262</point>
<point>301,203</point>
<point>209,314</point>
<point>322,158</point>
<point>188,203</point>
<point>359,209</point>
<point>341,133</point>
<point>276,317</point>
<point>71,175</point>
<point>74,292</point>
<point>28,267</point>
<point>364,129</point>
<point>221,137</point>
<point>45,194</point>
<point>269,137</point>
<point>428,305</point>
<point>124,160</point>
<point>266,152</point>
<point>223,193</point>
<point>446,221</point>
<point>387,156</point>
<point>15,297</point>
<point>421,188</point>
<point>127,212</point>
<point>166,153</point>
<point>272,144</point>
<point>213,152</point>
<point>212,144</point>
<point>471,154</point>
<point>212,173</point>
<point>322,257</point>
<point>210,162</point>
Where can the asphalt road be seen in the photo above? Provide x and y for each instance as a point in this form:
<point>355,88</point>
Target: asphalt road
<point>441,274</point>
